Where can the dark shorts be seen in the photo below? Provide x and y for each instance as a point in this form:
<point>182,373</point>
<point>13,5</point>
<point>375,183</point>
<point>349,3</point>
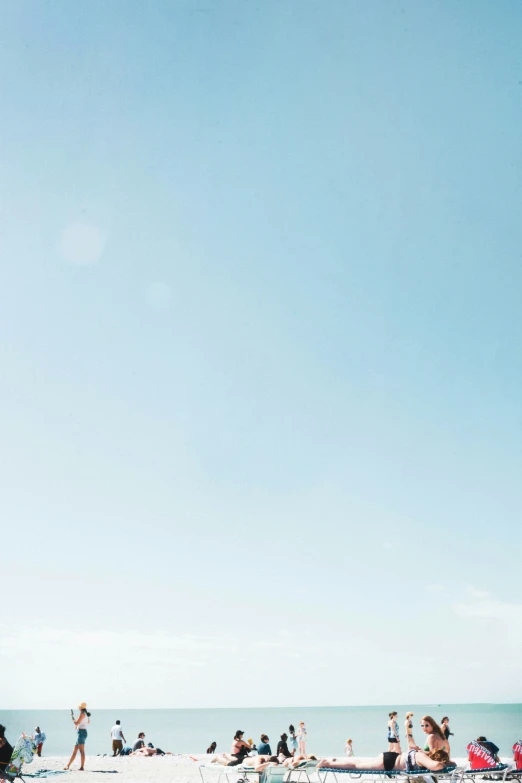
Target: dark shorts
<point>81,736</point>
<point>392,739</point>
<point>389,758</point>
<point>117,745</point>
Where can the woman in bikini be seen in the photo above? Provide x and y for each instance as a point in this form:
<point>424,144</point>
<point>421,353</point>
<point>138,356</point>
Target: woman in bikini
<point>435,739</point>
<point>408,726</point>
<point>394,743</point>
<point>238,751</point>
<point>392,761</point>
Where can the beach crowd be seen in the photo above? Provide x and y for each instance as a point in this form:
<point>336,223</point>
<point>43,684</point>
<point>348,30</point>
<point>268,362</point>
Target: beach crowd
<point>291,748</point>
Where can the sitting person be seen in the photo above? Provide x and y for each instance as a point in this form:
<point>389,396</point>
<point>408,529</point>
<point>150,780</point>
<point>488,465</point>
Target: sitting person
<point>239,750</point>
<point>140,742</point>
<point>6,751</point>
<point>482,754</point>
<point>389,761</point>
<point>264,747</point>
<point>282,747</point>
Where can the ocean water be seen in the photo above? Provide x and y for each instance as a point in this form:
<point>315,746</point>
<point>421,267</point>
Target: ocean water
<point>192,731</point>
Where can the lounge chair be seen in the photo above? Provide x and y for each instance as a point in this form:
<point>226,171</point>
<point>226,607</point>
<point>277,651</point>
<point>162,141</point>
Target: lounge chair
<point>217,773</point>
<point>447,773</point>
<point>500,771</point>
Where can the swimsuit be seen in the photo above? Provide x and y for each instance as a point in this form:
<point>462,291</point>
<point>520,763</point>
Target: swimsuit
<point>389,758</point>
<point>393,733</point>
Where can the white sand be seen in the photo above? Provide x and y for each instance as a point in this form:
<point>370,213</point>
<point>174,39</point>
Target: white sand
<point>137,769</point>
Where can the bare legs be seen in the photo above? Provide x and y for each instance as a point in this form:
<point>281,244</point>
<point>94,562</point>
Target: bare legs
<point>352,762</point>
<point>77,748</point>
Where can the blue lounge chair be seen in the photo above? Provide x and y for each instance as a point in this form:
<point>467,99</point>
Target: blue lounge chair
<point>450,772</point>
<point>470,774</point>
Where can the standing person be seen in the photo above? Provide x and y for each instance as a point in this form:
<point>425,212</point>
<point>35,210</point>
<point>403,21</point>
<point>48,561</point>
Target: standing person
<point>301,738</point>
<point>6,751</point>
<point>39,739</point>
<point>394,743</point>
<point>517,755</point>
<point>81,723</point>
<point>348,749</point>
<point>444,724</point>
<point>292,742</point>
<point>117,739</point>
<point>408,726</point>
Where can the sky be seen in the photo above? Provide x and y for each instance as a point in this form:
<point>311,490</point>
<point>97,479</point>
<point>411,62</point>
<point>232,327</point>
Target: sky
<point>261,355</point>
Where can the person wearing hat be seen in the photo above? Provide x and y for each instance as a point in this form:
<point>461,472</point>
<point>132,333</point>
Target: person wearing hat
<point>81,723</point>
<point>39,739</point>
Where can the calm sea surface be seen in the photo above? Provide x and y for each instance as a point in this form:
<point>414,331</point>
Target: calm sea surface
<point>191,731</point>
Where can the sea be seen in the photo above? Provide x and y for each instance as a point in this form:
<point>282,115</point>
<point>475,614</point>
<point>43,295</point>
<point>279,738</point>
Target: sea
<point>192,730</point>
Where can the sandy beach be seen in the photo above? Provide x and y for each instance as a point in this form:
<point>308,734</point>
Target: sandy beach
<point>132,768</point>
<point>179,768</point>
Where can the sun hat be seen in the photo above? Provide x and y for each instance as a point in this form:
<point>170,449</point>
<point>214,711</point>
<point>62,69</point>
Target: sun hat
<point>82,706</point>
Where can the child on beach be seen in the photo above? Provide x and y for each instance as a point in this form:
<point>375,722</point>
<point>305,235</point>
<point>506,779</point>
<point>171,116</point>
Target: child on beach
<point>348,749</point>
<point>292,742</point>
<point>301,738</point>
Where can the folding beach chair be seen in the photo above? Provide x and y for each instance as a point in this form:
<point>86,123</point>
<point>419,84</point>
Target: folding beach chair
<point>217,773</point>
<point>23,753</point>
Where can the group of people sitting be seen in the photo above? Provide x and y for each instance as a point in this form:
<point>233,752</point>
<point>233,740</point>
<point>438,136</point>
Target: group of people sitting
<point>259,757</point>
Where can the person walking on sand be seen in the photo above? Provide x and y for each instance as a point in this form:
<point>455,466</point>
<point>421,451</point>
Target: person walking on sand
<point>117,739</point>
<point>394,743</point>
<point>348,749</point>
<point>408,726</point>
<point>39,739</point>
<point>444,724</point>
<point>81,723</point>
<point>301,739</point>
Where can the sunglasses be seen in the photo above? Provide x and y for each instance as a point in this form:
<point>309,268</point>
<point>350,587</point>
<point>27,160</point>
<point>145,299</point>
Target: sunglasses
<point>425,726</point>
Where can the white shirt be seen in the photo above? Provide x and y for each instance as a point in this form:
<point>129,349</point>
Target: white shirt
<point>116,732</point>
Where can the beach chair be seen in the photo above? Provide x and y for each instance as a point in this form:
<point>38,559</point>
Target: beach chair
<point>23,753</point>
<point>447,773</point>
<point>499,772</point>
<point>217,773</point>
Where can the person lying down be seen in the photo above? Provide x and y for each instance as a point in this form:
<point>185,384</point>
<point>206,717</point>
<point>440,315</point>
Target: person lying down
<point>260,763</point>
<point>390,761</point>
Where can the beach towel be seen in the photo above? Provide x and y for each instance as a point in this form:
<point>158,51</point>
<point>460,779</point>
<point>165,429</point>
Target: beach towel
<point>23,753</point>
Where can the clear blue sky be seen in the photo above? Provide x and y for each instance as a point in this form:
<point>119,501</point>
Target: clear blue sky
<point>261,355</point>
